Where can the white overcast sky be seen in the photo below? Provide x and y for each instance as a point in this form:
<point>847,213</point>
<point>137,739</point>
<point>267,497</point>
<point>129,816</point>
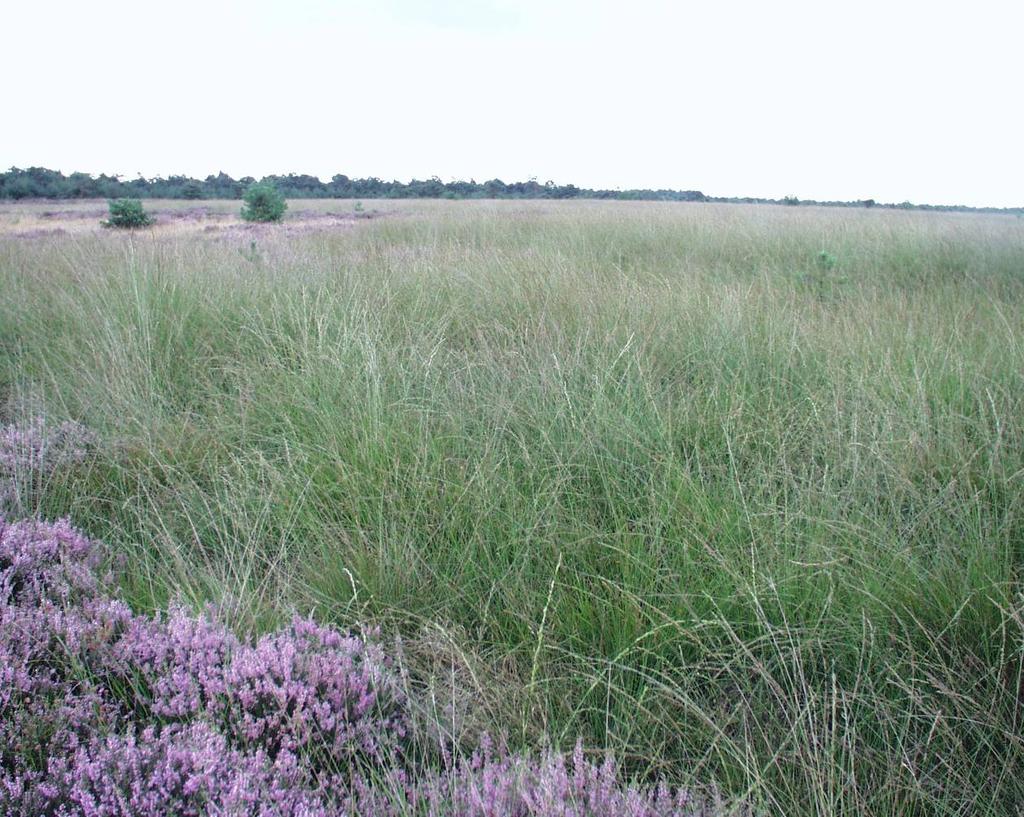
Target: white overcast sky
<point>920,101</point>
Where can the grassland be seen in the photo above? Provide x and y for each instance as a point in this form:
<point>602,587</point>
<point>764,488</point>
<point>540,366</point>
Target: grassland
<point>660,476</point>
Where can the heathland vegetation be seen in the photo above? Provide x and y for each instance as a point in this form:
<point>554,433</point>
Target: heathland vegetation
<point>733,493</point>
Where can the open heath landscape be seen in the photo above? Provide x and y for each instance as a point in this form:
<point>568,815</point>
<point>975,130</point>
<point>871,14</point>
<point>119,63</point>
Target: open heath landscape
<point>496,508</point>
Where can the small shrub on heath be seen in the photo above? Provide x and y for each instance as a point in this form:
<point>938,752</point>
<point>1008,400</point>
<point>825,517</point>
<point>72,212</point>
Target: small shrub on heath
<point>127,214</point>
<point>263,203</point>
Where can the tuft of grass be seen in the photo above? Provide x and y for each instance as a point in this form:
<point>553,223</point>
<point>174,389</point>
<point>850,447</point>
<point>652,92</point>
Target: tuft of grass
<point>669,497</point>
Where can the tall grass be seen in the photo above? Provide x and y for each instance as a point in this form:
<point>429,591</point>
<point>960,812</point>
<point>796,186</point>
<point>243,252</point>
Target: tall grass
<point>645,474</point>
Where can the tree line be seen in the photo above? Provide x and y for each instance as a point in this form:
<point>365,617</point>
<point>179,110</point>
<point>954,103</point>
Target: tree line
<point>40,182</point>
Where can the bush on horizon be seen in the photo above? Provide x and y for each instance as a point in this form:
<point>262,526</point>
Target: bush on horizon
<point>127,214</point>
<point>263,203</point>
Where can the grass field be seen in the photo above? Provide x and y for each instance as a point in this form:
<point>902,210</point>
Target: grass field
<point>661,476</point>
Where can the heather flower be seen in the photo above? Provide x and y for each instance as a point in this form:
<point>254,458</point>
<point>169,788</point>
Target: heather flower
<point>187,771</point>
<point>501,784</point>
<point>39,447</point>
<point>176,665</point>
<point>306,689</point>
<point>40,561</point>
<point>52,611</point>
<point>310,689</point>
<point>32,452</point>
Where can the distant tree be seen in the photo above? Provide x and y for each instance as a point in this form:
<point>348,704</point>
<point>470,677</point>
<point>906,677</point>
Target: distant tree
<point>82,186</point>
<point>791,200</point>
<point>263,202</point>
<point>110,186</point>
<point>17,186</point>
<point>222,186</point>
<point>340,186</point>
<point>127,214</point>
<point>140,186</point>
<point>298,186</point>
<point>868,202</point>
<point>430,189</point>
<point>495,189</point>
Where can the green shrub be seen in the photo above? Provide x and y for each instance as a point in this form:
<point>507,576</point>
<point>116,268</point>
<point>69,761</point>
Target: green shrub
<point>127,214</point>
<point>263,202</point>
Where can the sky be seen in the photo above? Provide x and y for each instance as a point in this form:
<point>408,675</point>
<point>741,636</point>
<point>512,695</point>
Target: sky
<point>896,101</point>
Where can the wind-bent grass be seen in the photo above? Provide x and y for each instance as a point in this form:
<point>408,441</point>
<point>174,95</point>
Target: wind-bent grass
<point>642,473</point>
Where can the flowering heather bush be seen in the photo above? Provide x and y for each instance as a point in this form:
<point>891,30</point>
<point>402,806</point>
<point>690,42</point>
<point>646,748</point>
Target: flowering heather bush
<point>104,712</point>
<point>51,607</point>
<point>174,666</point>
<point>305,689</point>
<point>500,784</point>
<point>549,786</point>
<point>311,689</point>
<point>29,453</point>
<point>185,771</point>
